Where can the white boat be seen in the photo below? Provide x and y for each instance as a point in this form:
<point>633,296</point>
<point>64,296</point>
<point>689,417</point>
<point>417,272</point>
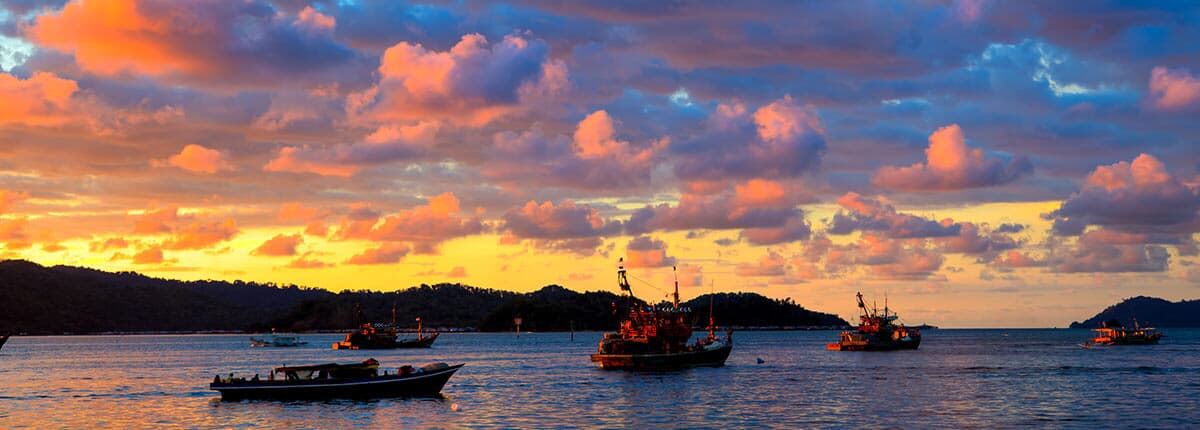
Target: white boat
<point>278,340</point>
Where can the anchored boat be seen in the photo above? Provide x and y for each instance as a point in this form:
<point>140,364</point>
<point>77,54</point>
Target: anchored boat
<point>384,336</point>
<point>877,332</point>
<point>277,340</point>
<point>656,337</point>
<point>1114,333</point>
<point>330,381</point>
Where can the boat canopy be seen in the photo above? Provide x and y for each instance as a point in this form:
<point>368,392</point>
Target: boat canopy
<point>327,366</point>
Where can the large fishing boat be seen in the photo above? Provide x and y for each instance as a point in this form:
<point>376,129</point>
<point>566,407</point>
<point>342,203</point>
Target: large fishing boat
<point>877,332</point>
<point>330,381</point>
<point>1114,333</point>
<point>656,337</point>
<point>384,336</point>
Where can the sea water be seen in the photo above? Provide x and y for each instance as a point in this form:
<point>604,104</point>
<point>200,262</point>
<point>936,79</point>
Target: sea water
<point>958,378</point>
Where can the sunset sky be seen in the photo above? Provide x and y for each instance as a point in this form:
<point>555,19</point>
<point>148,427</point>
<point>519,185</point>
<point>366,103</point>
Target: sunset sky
<point>982,163</point>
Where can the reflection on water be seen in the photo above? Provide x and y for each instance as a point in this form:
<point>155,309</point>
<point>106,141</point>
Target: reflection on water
<point>960,378</point>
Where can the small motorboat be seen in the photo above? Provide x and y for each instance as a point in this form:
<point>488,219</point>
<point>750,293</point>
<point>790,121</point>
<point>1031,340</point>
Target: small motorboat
<point>277,340</point>
<point>335,381</point>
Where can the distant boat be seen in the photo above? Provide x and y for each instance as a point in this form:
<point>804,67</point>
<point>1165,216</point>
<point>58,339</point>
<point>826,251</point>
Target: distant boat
<point>370,336</point>
<point>877,332</point>
<point>657,338</point>
<point>277,340</point>
<point>1114,333</point>
<point>333,381</point>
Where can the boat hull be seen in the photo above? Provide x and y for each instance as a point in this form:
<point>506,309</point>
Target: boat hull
<point>3,339</point>
<point>426,384</point>
<point>874,346</point>
<point>424,342</point>
<point>698,358</point>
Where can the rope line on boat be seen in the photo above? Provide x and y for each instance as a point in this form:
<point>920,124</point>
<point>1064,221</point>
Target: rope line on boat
<point>648,284</point>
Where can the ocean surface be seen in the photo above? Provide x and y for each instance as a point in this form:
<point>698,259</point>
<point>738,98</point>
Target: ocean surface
<point>958,378</point>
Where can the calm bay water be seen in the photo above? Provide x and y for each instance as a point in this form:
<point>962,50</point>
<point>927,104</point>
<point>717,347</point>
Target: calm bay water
<point>959,378</point>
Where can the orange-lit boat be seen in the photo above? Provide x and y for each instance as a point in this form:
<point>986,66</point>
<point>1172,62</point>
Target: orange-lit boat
<point>877,332</point>
<point>656,337</point>
<point>1114,333</point>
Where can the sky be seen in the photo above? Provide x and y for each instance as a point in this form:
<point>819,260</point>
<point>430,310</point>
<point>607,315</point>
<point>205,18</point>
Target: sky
<point>978,163</point>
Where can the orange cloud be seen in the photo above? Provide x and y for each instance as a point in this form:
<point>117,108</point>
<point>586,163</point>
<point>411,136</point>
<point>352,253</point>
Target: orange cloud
<point>8,199</point>
<point>43,99</point>
<point>645,251</point>
<point>313,20</point>
<point>390,142</point>
<point>771,264</point>
<point>424,226</point>
<point>785,121</point>
<point>279,246</point>
<point>107,244</point>
<point>157,221</point>
<point>196,158</point>
<point>473,83</point>
<point>388,253</point>
<point>200,234</point>
<point>149,256</point>
<point>306,263</point>
<point>1173,89</point>
<point>952,165</point>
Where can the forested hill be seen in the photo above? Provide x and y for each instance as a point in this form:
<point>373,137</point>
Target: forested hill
<point>63,299</point>
<point>1150,312</point>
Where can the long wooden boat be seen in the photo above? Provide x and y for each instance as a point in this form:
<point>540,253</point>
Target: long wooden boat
<point>334,381</point>
<point>652,338</point>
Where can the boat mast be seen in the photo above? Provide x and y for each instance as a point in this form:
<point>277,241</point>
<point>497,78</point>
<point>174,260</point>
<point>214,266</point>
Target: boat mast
<point>622,281</point>
<point>676,273</point>
<point>711,326</point>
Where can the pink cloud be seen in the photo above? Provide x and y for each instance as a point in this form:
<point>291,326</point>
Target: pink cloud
<point>388,253</point>
<point>279,246</point>
<point>645,251</point>
<point>424,227</point>
<point>473,83</point>
<point>974,239</point>
<point>763,224</point>
<point>1173,89</point>
<point>388,143</point>
<point>862,213</point>
<point>1132,196</point>
<point>296,211</point>
<point>952,165</point>
<point>885,258</point>
<point>566,220</point>
<point>782,139</point>
<point>315,21</point>
<point>196,158</point>
<point>1014,259</point>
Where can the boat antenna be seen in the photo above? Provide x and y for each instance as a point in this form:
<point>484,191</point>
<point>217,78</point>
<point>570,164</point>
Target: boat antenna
<point>622,281</point>
<point>393,312</point>
<point>675,272</point>
<point>711,326</point>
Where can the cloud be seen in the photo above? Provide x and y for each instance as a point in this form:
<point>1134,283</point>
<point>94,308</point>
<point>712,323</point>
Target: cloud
<point>388,253</point>
<point>388,143</point>
<point>771,264</point>
<point>1131,196</point>
<point>1014,259</point>
<point>153,255</point>
<point>202,234</point>
<point>779,140</point>
<point>646,251</point>
<point>424,226</point>
<point>231,41</point>
<point>472,83</point>
<point>973,239</point>
<point>279,246</point>
<point>762,221</point>
<point>295,211</point>
<point>108,244</point>
<point>196,158</point>
<point>8,199</point>
<point>41,100</point>
<point>156,221</point>
<point>1107,258</point>
<point>861,213</point>
<point>952,165</point>
<point>593,158</point>
<point>1173,89</point>
<point>547,221</point>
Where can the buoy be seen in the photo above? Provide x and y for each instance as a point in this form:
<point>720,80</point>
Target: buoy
<point>454,407</point>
